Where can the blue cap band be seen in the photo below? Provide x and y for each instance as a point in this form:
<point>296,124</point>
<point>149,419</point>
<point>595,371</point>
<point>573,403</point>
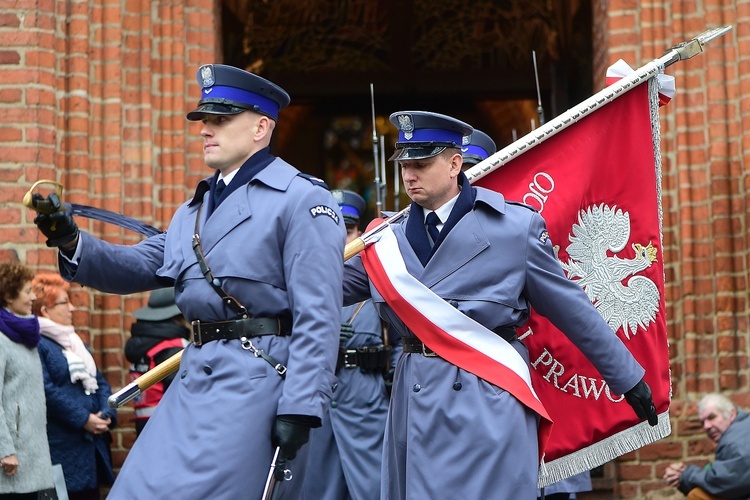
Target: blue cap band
<point>348,210</point>
<point>473,149</point>
<point>240,96</point>
<point>432,135</point>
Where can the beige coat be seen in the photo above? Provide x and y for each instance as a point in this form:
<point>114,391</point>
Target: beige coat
<point>23,418</point>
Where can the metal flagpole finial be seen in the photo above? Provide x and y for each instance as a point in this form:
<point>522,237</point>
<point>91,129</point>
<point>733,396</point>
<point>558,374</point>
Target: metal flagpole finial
<point>709,35</point>
<point>686,50</point>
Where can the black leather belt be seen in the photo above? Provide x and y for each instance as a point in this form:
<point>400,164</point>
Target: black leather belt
<point>369,358</point>
<point>414,345</point>
<point>204,332</point>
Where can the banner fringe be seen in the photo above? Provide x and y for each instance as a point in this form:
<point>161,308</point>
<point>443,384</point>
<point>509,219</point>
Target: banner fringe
<point>604,451</point>
<point>653,99</point>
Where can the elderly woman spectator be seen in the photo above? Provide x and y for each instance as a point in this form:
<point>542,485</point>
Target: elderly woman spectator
<point>24,452</point>
<point>78,418</point>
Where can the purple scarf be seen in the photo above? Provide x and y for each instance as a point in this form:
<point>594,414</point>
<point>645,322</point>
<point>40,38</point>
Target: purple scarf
<point>21,330</point>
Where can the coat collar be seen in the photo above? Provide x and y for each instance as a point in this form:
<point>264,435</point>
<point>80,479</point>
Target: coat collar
<point>249,170</point>
<point>461,239</point>
<point>492,199</point>
<point>234,210</point>
<point>464,243</point>
<point>415,230</point>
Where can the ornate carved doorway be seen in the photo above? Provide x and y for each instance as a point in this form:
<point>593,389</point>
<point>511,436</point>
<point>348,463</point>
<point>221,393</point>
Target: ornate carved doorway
<point>471,60</point>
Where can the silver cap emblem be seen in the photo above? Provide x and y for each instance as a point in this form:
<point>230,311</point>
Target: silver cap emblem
<point>406,125</point>
<point>207,76</point>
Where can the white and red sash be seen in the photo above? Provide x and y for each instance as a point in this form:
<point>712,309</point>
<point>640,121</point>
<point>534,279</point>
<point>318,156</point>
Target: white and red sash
<point>452,335</point>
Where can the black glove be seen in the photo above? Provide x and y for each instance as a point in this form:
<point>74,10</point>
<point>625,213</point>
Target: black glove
<point>346,332</point>
<point>59,227</point>
<point>289,434</point>
<point>639,397</point>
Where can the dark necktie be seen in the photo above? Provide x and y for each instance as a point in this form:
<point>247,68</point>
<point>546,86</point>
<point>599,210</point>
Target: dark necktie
<point>220,186</point>
<point>432,226</point>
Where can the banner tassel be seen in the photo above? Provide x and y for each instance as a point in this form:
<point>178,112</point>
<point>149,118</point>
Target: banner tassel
<point>604,451</point>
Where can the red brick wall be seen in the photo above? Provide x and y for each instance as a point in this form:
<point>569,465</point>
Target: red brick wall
<point>705,199</point>
<point>93,94</point>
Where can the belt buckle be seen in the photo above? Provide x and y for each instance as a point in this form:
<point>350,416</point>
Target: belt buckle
<point>347,363</point>
<point>427,352</point>
<point>197,333</point>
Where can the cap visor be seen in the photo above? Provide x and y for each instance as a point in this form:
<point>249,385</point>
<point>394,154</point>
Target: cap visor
<point>351,220</point>
<point>472,159</point>
<point>213,108</point>
<point>416,153</point>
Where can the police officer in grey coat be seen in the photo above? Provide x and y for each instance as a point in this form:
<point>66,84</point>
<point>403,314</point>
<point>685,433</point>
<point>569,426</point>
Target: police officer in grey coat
<point>450,433</point>
<point>346,452</point>
<point>261,283</point>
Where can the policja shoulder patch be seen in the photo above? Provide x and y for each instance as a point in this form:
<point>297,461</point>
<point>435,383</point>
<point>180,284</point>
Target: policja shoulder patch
<point>544,236</point>
<point>319,210</point>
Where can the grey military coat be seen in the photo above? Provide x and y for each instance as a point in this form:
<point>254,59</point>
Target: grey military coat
<point>451,434</point>
<point>346,452</point>
<point>277,252</point>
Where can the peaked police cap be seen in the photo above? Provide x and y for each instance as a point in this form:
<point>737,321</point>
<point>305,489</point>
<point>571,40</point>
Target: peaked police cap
<point>422,134</point>
<point>226,90</point>
<point>352,205</point>
<point>479,148</point>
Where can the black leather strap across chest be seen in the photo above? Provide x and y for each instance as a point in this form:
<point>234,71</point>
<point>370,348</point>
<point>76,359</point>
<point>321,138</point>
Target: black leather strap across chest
<point>215,283</point>
<point>243,328</point>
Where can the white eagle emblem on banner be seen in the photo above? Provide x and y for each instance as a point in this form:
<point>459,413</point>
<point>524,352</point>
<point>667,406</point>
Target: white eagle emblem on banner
<point>623,298</point>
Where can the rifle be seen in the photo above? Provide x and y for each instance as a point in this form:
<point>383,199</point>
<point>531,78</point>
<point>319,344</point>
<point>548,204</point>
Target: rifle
<point>379,180</point>
<point>539,108</point>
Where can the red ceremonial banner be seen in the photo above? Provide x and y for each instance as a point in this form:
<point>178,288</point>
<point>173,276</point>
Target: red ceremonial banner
<point>596,184</point>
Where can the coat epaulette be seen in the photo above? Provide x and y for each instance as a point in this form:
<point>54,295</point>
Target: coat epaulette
<point>524,205</point>
<point>316,181</point>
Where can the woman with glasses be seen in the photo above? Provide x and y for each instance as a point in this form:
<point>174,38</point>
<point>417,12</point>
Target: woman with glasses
<point>78,418</point>
<point>24,453</point>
